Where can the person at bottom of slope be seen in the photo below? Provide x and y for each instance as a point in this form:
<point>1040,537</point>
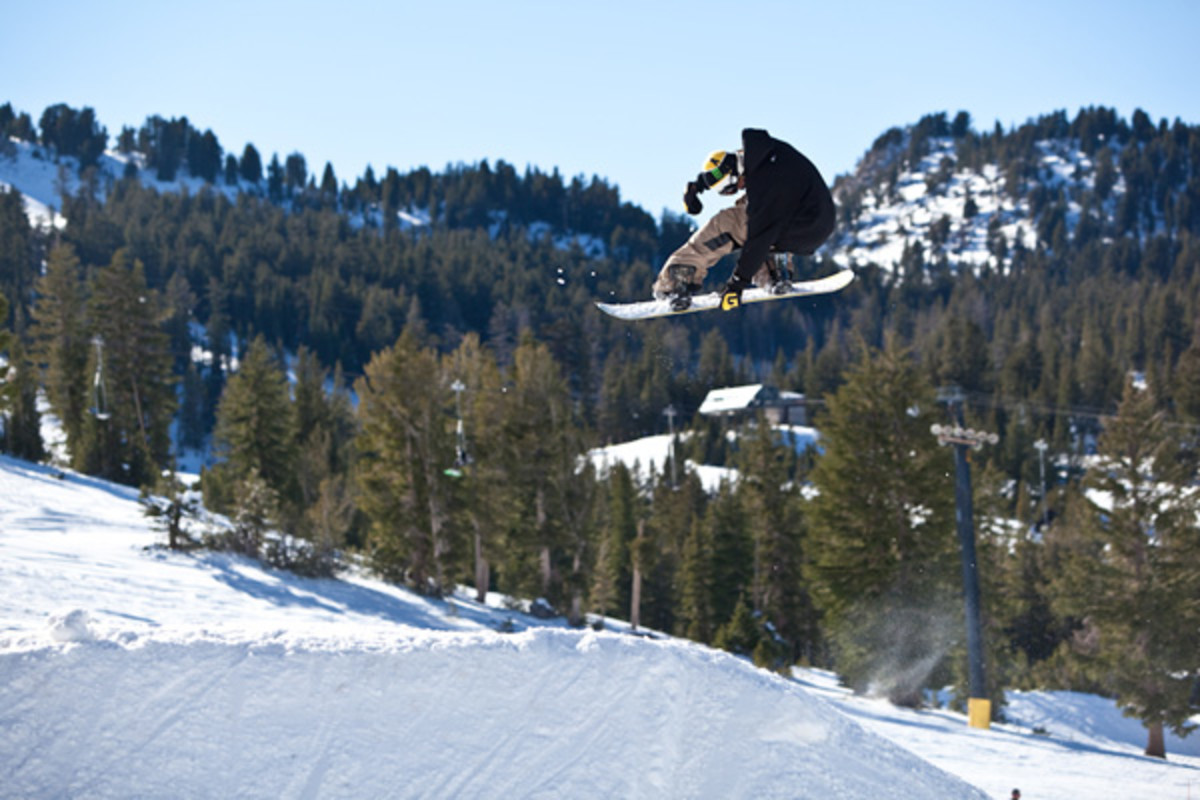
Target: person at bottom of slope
<point>787,208</point>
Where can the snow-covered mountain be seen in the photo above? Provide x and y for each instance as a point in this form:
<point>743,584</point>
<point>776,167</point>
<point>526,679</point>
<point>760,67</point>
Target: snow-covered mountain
<point>971,201</point>
<point>43,178</point>
<point>960,198</point>
<point>890,217</point>
<point>130,670</point>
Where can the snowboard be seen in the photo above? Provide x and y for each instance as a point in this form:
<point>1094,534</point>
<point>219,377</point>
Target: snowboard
<point>652,309</point>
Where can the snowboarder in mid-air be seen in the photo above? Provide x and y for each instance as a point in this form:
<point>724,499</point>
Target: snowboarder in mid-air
<point>787,208</point>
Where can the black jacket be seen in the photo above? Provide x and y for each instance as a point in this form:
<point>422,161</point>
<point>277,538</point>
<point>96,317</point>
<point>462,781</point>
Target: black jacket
<point>788,205</point>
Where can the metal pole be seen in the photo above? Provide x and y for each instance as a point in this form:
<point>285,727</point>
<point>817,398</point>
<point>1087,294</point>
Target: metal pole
<point>670,413</point>
<point>965,512</point>
<point>1040,445</point>
<point>978,705</point>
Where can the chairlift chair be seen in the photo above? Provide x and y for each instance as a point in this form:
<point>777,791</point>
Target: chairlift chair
<point>99,407</point>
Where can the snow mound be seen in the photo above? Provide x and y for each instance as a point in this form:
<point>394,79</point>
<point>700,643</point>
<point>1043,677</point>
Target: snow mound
<point>544,713</point>
<point>73,626</point>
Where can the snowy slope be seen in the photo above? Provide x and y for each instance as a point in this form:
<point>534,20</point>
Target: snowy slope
<point>26,169</point>
<point>1055,745</point>
<point>877,223</point>
<point>41,178</point>
<point>647,457</point>
<point>546,713</point>
<point>127,670</point>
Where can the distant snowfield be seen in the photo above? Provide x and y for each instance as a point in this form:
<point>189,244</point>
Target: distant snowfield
<point>127,670</point>
<point>38,180</point>
<point>41,178</point>
<point>647,457</point>
<point>887,225</point>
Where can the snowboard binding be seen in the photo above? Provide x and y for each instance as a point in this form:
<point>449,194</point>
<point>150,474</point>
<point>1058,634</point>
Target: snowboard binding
<point>683,276</point>
<point>779,272</point>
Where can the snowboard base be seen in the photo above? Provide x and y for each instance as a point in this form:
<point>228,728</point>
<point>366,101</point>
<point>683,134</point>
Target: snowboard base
<point>708,301</point>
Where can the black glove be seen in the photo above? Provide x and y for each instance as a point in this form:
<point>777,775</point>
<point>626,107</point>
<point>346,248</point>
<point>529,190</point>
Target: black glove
<point>691,199</point>
<point>731,295</point>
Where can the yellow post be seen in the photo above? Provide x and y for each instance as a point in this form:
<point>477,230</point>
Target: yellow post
<point>979,713</point>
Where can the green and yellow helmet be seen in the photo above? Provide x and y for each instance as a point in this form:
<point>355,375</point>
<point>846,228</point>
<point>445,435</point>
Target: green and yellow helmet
<point>721,171</point>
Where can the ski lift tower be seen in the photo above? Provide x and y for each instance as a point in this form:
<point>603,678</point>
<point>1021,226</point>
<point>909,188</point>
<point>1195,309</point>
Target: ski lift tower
<point>979,705</point>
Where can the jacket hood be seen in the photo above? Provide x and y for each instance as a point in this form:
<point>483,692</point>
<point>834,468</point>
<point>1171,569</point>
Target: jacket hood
<point>757,145</point>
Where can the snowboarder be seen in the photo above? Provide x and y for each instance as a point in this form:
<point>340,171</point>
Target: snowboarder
<point>787,208</point>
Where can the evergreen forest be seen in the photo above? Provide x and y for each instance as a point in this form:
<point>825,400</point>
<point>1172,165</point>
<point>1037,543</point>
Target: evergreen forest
<point>407,370</point>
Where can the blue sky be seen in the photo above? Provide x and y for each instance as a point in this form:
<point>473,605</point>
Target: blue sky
<point>635,92</point>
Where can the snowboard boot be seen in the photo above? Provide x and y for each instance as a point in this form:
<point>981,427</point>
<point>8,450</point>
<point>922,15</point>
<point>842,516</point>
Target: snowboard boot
<point>779,274</point>
<point>682,278</point>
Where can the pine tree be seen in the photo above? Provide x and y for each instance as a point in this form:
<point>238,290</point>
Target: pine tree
<point>22,432</point>
<point>677,506</point>
<point>881,544</point>
<point>170,506</point>
<point>255,511</point>
<point>329,184</point>
<point>295,172</point>
<point>542,443</point>
<point>323,427</point>
<point>180,302</point>
<point>611,585</point>
<point>404,448</point>
<point>770,483</point>
<point>485,502</point>
<point>731,569</point>
<point>328,522</point>
<point>194,410</point>
<point>1019,569</point>
<point>230,172</point>
<point>204,156</point>
<point>1132,573</point>
<point>255,428</point>
<point>275,179</point>
<point>18,266</point>
<point>61,340</point>
<point>715,368</point>
<point>130,440</point>
<point>1186,387</point>
<point>7,384</point>
<point>964,356</point>
<point>250,167</point>
<point>742,633</point>
<point>694,615</point>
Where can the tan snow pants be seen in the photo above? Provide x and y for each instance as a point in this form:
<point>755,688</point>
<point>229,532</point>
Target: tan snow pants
<point>717,238</point>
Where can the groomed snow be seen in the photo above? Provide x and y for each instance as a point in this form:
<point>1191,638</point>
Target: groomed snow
<point>543,713</point>
<point>128,670</point>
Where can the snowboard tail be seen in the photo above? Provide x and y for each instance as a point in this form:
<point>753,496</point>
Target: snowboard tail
<point>708,301</point>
